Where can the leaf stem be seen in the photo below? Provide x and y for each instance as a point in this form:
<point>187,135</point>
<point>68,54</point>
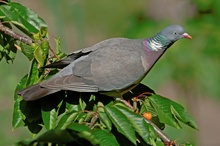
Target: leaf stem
<point>125,102</point>
<point>54,53</point>
<point>159,132</point>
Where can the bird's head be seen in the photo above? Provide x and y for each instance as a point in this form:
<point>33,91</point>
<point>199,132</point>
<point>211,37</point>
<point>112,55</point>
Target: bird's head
<point>174,33</point>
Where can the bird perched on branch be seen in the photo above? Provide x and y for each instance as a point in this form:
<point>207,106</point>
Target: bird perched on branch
<point>111,67</point>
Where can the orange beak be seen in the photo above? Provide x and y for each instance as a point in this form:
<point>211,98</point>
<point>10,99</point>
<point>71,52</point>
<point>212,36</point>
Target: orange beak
<point>187,36</point>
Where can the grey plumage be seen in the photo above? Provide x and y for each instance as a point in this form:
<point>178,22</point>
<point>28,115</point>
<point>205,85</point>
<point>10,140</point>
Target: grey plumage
<point>111,67</point>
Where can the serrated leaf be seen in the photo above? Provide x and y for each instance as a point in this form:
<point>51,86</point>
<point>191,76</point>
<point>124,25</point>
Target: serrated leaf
<point>105,138</point>
<point>182,115</point>
<point>66,120</point>
<point>147,107</point>
<point>159,143</point>
<point>72,108</point>
<point>27,50</point>
<point>57,136</point>
<point>121,122</point>
<point>41,52</point>
<point>49,119</point>
<point>45,46</point>
<point>103,117</point>
<point>96,136</point>
<point>23,17</point>
<point>163,109</point>
<point>145,130</point>
<point>33,75</point>
<point>59,51</point>
<point>18,116</point>
<point>169,112</point>
<point>105,120</point>
<point>85,132</point>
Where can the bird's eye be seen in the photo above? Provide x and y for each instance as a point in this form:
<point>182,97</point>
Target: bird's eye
<point>175,33</point>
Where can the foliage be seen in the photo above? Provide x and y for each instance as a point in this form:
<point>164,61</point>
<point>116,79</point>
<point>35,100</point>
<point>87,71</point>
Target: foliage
<point>80,118</point>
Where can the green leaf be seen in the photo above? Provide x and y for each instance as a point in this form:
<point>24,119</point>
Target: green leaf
<point>41,52</point>
<point>82,104</point>
<point>72,108</point>
<point>57,136</point>
<point>49,119</point>
<point>7,47</point>
<point>66,120</point>
<point>163,109</point>
<point>105,138</point>
<point>81,117</point>
<point>121,122</point>
<point>105,120</point>
<point>27,50</point>
<point>145,130</point>
<point>147,107</point>
<point>170,112</point>
<point>96,136</point>
<point>181,114</point>
<point>33,75</point>
<point>41,34</point>
<point>59,51</point>
<point>85,132</point>
<point>103,117</point>
<point>23,17</point>
<point>18,116</point>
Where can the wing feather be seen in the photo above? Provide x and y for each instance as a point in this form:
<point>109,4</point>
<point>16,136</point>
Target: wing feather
<point>70,82</point>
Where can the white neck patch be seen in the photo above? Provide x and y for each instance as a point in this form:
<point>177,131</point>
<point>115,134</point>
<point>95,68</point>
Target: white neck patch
<point>155,46</point>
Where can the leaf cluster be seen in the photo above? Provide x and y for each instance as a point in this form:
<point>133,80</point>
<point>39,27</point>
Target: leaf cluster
<point>79,118</point>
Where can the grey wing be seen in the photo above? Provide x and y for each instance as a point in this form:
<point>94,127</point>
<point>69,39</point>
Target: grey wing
<point>83,52</point>
<point>70,82</point>
<point>117,67</point>
<point>72,77</point>
<point>111,67</point>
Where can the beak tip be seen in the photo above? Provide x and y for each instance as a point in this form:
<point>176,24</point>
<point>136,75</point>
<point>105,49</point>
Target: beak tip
<point>187,36</point>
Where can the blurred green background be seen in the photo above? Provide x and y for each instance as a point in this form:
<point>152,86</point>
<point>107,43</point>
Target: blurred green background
<point>188,73</point>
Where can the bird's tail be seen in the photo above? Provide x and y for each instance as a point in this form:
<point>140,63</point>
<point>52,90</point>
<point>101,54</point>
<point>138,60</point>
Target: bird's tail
<point>35,92</point>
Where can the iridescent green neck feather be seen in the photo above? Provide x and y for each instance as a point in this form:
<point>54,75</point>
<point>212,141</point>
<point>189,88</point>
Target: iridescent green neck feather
<point>158,42</point>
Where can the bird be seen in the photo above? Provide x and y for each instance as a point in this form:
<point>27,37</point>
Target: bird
<point>111,67</point>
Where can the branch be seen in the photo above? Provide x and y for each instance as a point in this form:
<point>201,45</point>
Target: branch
<point>159,132</point>
<point>21,38</point>
<point>163,136</point>
<point>16,36</point>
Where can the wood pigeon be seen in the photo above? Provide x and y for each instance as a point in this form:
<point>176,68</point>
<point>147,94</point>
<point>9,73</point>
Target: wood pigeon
<point>111,67</point>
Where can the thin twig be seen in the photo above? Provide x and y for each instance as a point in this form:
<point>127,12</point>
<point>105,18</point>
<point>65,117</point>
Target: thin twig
<point>159,132</point>
<point>54,53</point>
<point>21,38</point>
<point>92,123</point>
<point>16,36</point>
<point>2,1</point>
<point>125,102</point>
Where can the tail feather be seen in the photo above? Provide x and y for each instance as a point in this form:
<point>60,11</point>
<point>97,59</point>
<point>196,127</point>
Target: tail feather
<point>35,92</point>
